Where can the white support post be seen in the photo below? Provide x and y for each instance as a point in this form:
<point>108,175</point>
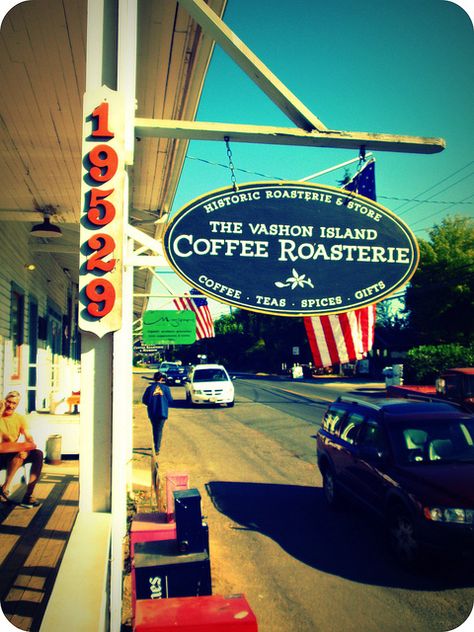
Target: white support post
<point>96,353</point>
<point>122,394</point>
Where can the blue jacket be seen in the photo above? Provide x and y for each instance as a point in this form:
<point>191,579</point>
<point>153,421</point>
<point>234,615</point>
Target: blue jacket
<point>157,397</point>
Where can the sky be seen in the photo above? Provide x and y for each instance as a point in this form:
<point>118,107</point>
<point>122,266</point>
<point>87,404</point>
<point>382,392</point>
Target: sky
<point>398,67</point>
<point>387,66</point>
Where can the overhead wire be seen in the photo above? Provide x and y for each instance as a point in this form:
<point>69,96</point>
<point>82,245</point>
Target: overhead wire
<point>442,191</point>
<point>406,201</point>
<point>433,186</point>
<point>443,210</point>
<point>219,164</point>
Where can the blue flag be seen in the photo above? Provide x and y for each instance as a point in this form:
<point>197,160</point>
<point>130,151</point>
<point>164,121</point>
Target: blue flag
<point>364,181</point>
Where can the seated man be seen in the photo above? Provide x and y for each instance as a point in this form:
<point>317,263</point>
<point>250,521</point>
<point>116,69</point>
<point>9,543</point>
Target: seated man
<point>13,454</point>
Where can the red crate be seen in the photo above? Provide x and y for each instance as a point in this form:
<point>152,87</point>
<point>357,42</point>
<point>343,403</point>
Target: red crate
<point>148,527</point>
<point>214,613</point>
<point>174,481</point>
<point>151,527</point>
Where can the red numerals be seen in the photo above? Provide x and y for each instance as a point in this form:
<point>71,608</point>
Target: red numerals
<point>101,116</point>
<point>100,210</point>
<point>101,294</point>
<point>104,245</point>
<point>105,163</point>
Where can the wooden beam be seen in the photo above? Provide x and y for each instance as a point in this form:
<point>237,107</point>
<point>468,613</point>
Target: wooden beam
<point>252,65</point>
<point>144,261</point>
<point>197,130</point>
<point>145,240</point>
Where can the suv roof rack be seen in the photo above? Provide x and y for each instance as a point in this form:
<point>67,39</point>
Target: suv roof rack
<point>431,399</point>
<point>349,399</point>
<point>356,400</point>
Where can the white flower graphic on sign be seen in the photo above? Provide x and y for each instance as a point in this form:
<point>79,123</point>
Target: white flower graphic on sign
<point>297,280</point>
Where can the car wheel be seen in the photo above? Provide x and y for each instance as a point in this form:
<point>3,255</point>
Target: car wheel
<point>330,487</point>
<point>230,404</point>
<point>402,537</point>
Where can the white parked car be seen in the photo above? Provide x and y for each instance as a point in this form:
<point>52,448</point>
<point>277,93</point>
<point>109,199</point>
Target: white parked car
<point>209,384</point>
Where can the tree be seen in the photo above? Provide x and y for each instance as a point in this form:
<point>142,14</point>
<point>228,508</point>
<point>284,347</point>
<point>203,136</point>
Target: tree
<point>424,364</point>
<point>439,301</point>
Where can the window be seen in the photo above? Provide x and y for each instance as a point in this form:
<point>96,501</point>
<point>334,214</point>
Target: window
<point>17,313</point>
<point>332,418</point>
<point>350,426</point>
<point>210,375</point>
<point>373,436</point>
<point>453,386</point>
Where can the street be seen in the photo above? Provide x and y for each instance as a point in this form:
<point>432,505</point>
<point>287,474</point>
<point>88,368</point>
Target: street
<point>302,567</point>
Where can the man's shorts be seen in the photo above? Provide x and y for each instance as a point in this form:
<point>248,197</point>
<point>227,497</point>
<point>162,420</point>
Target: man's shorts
<point>32,455</point>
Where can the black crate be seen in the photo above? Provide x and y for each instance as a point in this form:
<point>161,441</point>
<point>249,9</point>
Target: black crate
<point>191,532</point>
<point>161,571</point>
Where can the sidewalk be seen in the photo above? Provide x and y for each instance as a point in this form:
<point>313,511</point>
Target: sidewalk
<point>32,543</point>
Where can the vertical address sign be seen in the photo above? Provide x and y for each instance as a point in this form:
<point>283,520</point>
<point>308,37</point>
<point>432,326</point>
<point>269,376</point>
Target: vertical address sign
<point>101,230</point>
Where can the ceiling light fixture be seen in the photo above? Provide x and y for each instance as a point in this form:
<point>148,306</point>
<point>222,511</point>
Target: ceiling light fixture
<point>46,229</point>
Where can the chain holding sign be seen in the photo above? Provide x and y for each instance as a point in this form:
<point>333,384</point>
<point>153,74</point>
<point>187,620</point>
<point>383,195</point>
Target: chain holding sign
<point>101,224</point>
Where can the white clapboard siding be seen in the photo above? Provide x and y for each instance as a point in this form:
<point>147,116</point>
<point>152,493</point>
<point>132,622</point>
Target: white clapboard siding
<point>47,281</point>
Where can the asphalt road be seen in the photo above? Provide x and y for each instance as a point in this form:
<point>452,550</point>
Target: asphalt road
<point>302,567</point>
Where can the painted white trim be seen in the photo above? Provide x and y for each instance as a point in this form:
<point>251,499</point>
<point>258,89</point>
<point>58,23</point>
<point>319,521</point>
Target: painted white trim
<point>142,238</point>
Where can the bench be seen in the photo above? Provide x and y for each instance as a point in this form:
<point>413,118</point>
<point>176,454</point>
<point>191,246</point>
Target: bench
<point>18,484</point>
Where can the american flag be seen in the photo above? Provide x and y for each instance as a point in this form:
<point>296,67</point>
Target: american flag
<point>204,323</point>
<point>363,182</point>
<point>342,338</point>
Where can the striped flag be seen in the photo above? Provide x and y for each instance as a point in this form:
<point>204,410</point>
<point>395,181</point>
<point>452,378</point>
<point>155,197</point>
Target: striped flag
<point>342,338</point>
<point>204,323</point>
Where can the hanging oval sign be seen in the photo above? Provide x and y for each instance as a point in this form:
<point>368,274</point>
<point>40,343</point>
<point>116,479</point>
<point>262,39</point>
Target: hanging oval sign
<point>291,249</point>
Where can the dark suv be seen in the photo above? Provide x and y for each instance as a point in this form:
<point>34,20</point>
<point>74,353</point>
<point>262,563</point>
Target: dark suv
<point>176,374</point>
<point>410,462</point>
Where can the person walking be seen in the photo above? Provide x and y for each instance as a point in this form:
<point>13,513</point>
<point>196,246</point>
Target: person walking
<point>13,454</point>
<point>157,398</point>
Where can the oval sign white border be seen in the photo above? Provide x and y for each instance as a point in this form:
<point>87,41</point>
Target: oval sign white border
<point>223,215</point>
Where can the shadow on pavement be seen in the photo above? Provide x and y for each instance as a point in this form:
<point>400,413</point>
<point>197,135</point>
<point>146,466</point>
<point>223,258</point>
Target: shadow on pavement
<point>342,543</point>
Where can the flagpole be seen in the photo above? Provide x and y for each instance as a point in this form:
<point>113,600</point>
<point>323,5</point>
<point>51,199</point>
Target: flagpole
<point>343,164</point>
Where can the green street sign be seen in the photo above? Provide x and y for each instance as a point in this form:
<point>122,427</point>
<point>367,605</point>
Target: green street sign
<point>169,327</point>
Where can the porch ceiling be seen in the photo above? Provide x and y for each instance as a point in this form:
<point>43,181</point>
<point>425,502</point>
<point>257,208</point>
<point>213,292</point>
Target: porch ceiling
<point>42,74</point>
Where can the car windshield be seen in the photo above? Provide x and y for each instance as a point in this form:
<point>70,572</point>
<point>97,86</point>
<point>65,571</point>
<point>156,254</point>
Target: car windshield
<point>469,383</point>
<point>210,375</point>
<point>450,441</point>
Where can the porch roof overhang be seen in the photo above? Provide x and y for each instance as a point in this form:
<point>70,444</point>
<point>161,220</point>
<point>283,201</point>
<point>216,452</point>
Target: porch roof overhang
<point>43,79</point>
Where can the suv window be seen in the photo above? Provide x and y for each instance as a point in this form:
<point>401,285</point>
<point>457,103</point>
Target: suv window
<point>373,435</point>
<point>349,427</point>
<point>332,418</point>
